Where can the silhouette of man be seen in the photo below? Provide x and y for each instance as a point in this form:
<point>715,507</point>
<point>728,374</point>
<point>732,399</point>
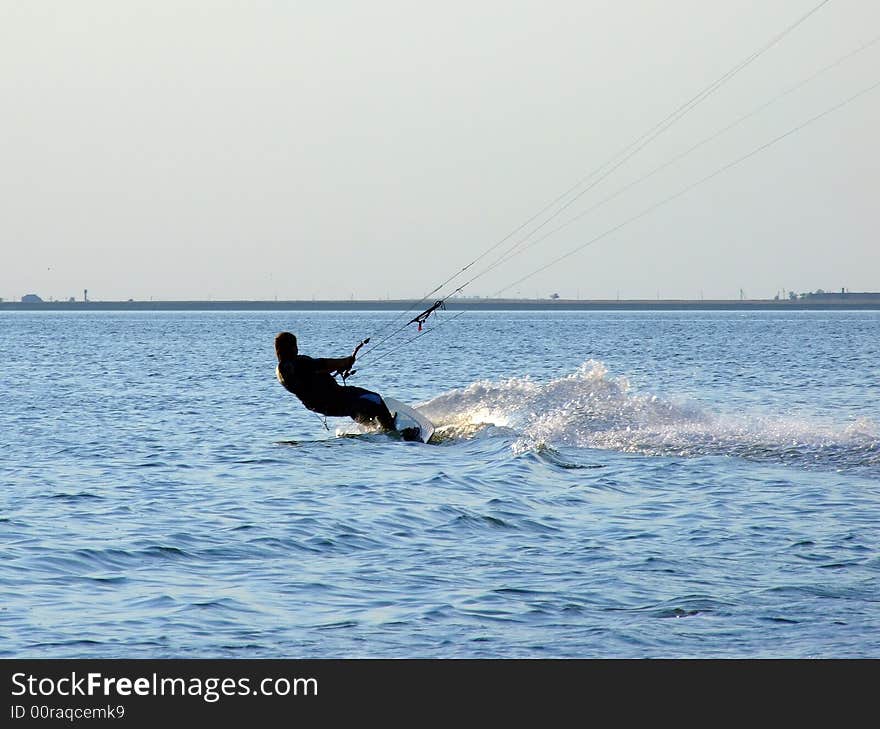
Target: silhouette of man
<point>312,381</point>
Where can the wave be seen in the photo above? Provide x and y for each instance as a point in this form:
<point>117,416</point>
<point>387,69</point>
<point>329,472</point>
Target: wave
<point>591,409</point>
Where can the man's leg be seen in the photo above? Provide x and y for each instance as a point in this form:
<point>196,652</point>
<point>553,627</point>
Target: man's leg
<point>367,406</point>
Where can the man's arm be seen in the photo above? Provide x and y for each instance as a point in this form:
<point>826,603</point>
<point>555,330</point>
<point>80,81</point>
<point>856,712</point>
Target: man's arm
<point>327,364</point>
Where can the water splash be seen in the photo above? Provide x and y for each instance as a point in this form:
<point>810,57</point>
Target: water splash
<point>591,409</point>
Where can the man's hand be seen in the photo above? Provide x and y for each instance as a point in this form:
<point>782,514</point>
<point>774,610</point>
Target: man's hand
<point>348,363</point>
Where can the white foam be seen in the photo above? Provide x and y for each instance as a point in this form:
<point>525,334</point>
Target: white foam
<point>591,409</point>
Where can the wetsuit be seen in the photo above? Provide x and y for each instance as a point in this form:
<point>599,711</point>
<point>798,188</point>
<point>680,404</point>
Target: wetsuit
<point>310,380</point>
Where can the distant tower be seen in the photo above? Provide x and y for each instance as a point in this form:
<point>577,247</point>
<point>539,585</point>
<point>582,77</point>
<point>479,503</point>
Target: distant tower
<point>85,295</point>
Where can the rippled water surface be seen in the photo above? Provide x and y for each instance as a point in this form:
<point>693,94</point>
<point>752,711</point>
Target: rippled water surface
<point>602,485</point>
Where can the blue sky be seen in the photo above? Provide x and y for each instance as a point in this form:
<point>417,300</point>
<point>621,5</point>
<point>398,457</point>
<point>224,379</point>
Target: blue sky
<point>228,150</point>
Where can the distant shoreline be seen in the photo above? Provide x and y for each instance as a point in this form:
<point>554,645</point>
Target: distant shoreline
<point>853,303</point>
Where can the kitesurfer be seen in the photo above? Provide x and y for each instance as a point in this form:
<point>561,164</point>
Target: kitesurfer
<point>312,381</point>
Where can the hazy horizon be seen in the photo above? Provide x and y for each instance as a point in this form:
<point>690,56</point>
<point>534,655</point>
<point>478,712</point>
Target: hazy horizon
<point>463,298</point>
<point>195,151</point>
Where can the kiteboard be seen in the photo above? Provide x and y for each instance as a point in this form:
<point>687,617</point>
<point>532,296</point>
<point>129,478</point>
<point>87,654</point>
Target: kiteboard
<point>409,422</point>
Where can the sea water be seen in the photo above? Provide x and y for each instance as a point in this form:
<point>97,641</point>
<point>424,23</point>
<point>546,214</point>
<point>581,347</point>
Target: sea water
<point>604,484</point>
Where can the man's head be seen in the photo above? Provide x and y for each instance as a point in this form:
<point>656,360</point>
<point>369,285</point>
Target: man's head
<point>285,346</point>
